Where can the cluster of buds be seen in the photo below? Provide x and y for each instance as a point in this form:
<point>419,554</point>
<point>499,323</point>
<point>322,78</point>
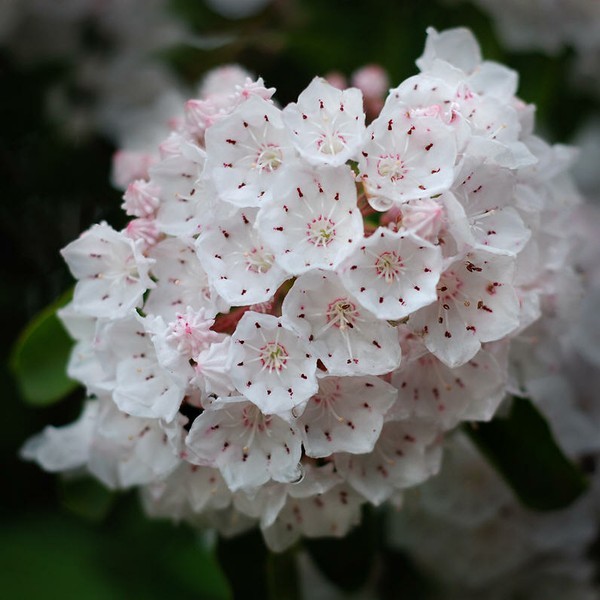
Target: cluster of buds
<point>303,304</point>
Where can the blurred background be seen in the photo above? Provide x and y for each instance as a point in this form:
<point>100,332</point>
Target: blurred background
<point>80,79</point>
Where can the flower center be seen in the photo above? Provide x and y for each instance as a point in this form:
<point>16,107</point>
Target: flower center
<point>331,143</point>
<point>269,158</point>
<point>320,231</point>
<point>342,313</point>
<point>252,418</point>
<point>389,266</point>
<point>273,356</point>
<point>392,167</point>
<point>258,261</point>
<point>329,392</point>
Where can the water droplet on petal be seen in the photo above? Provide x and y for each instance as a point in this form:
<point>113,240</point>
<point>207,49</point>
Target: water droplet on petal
<point>301,473</point>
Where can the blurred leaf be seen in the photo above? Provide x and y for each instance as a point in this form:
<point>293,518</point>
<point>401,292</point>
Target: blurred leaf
<point>157,559</point>
<point>40,356</point>
<point>525,453</point>
<point>85,497</point>
<point>197,568</point>
<point>52,558</point>
<point>349,561</point>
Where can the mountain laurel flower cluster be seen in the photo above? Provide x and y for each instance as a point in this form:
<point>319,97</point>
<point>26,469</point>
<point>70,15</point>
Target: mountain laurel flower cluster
<point>302,303</point>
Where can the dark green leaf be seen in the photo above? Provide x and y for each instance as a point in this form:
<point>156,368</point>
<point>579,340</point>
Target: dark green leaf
<point>51,558</point>
<point>525,453</point>
<point>40,356</point>
<point>196,567</point>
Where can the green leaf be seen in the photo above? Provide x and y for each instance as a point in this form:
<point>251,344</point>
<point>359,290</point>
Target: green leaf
<point>523,450</point>
<point>196,567</point>
<point>40,356</point>
<point>85,497</point>
<point>50,557</point>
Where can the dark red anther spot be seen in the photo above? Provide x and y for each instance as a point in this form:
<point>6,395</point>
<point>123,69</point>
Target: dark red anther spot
<point>429,146</point>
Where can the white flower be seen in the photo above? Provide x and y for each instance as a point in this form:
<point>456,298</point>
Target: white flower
<point>349,339</point>
<point>345,415</point>
<point>271,365</point>
<point>181,281</point>
<point>393,274</point>
<point>327,124</point>
<point>257,299</point>
<point>246,151</point>
<point>64,448</point>
<point>141,385</point>
<point>485,192</point>
<point>476,303</point>
<point>247,446</point>
<point>407,156</point>
<point>111,271</point>
<point>186,492</point>
<point>331,513</point>
<point>471,392</point>
<point>405,455</point>
<point>239,264</point>
<point>313,223</point>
